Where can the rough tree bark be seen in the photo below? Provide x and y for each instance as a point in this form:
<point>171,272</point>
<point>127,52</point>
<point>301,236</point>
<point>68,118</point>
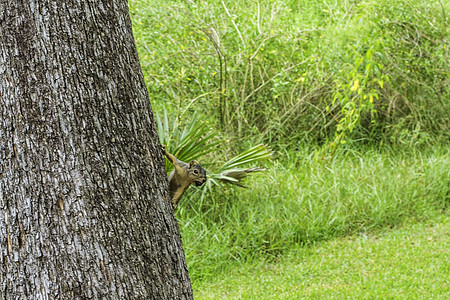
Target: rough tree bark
<point>82,180</point>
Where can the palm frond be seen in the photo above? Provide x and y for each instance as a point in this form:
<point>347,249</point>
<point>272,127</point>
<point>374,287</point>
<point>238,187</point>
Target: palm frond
<point>235,176</point>
<point>233,172</point>
<point>252,155</point>
<point>196,139</point>
<point>186,142</point>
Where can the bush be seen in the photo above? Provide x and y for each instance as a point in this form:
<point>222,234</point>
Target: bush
<point>286,71</point>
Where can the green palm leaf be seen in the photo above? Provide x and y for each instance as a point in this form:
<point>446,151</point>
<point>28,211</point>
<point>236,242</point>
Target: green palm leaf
<point>197,139</point>
<point>233,171</point>
<point>188,143</point>
<point>252,155</point>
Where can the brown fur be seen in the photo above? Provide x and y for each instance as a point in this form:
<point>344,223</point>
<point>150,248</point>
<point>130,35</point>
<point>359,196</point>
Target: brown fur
<point>182,177</point>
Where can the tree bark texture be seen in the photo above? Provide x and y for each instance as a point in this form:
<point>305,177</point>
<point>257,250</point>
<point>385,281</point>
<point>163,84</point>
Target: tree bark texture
<point>82,180</point>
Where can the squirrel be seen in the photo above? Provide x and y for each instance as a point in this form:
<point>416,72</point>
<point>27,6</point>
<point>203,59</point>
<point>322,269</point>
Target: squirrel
<point>183,175</point>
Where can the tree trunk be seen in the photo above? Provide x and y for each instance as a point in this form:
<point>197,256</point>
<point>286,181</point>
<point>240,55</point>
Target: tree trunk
<point>83,210</point>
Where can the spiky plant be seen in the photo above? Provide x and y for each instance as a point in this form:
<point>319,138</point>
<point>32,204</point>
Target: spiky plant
<point>197,139</point>
<point>189,141</point>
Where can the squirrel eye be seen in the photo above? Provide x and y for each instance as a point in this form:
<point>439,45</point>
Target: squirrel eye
<point>195,172</point>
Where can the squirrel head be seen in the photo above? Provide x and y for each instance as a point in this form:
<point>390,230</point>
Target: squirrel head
<point>196,173</point>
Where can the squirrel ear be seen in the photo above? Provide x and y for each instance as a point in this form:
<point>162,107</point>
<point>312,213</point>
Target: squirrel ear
<point>191,164</point>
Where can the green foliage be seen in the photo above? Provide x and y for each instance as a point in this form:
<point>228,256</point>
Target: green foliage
<point>410,262</point>
<point>189,141</point>
<point>356,82</point>
<point>196,139</point>
<point>311,200</point>
<point>233,171</point>
<point>356,91</point>
<point>283,71</point>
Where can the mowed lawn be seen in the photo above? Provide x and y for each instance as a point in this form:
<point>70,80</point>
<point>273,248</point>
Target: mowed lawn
<point>411,262</point>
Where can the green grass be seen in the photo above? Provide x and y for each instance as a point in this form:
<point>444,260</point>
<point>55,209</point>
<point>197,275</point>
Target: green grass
<point>282,71</point>
<point>298,75</point>
<point>311,200</point>
<point>412,262</point>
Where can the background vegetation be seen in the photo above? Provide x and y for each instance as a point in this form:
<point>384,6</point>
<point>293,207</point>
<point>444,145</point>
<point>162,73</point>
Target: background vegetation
<point>286,71</point>
<point>403,263</point>
<point>352,97</point>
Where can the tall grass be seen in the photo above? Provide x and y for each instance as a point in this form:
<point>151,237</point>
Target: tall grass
<point>289,70</point>
<point>310,79</point>
<point>311,200</point>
